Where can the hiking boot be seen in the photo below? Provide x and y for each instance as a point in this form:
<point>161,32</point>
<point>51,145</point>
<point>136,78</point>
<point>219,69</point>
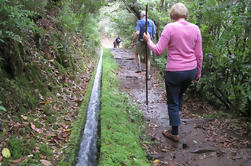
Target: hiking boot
<point>170,136</point>
<point>138,69</point>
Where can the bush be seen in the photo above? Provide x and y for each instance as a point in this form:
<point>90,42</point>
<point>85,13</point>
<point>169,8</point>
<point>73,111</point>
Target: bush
<point>226,69</point>
<point>15,21</point>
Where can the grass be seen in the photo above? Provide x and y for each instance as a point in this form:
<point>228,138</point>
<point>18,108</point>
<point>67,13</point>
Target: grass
<point>120,122</point>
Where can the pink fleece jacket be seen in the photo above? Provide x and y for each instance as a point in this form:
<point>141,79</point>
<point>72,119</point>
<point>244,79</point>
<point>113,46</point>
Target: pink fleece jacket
<point>184,46</point>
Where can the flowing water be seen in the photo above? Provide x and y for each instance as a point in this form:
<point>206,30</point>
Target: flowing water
<point>88,147</point>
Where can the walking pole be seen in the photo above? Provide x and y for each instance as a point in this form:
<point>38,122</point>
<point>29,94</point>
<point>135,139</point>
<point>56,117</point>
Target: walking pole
<point>146,59</point>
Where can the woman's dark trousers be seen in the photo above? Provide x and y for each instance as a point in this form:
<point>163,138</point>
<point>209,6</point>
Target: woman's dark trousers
<point>176,84</point>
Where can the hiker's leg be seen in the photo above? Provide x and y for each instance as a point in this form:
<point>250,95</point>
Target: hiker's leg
<point>137,57</point>
<point>188,77</point>
<point>172,91</point>
<point>137,53</point>
<point>182,90</point>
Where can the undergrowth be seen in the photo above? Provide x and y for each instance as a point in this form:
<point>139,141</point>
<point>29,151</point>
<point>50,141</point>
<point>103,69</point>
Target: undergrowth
<point>46,60</point>
<point>120,120</point>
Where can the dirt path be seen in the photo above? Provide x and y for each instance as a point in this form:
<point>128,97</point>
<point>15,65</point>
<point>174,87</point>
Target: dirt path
<point>106,42</point>
<point>198,145</point>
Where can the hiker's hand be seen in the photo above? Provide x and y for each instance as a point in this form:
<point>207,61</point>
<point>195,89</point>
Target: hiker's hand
<point>146,37</point>
<point>197,80</point>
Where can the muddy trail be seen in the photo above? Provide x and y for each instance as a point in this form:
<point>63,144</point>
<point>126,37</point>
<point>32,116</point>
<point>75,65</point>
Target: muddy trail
<point>203,142</point>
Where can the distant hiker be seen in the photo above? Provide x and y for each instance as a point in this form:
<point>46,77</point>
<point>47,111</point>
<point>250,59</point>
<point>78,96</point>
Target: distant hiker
<point>183,42</point>
<point>140,43</point>
<point>116,42</point>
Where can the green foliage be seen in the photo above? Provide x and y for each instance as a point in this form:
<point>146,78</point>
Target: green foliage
<point>217,115</point>
<point>74,20</point>
<point>23,89</point>
<point>20,147</point>
<point>226,38</point>
<point>2,108</point>
<point>34,5</point>
<point>121,122</point>
<point>115,20</point>
<point>14,21</point>
<point>45,149</point>
<point>22,45</point>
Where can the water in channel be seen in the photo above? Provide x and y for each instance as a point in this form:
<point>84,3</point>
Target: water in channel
<point>88,148</point>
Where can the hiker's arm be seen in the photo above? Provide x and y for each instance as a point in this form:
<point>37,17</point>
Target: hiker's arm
<point>137,32</point>
<point>162,44</point>
<point>135,37</point>
<point>199,55</point>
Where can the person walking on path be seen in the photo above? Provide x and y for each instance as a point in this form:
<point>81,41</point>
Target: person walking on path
<point>183,42</point>
<point>117,41</point>
<point>140,44</point>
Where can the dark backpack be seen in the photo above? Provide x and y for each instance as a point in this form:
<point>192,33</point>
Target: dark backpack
<point>118,40</point>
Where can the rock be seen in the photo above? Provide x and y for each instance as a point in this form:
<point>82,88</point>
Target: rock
<point>155,156</point>
<point>204,150</point>
<point>184,146</point>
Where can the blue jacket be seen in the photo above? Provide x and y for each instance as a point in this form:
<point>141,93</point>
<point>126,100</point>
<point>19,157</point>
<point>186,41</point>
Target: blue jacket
<point>141,27</point>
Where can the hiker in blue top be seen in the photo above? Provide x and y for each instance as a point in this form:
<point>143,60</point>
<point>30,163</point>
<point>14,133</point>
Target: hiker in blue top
<point>140,44</point>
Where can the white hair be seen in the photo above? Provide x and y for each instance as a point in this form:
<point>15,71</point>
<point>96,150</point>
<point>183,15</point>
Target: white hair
<point>178,10</point>
<point>142,13</point>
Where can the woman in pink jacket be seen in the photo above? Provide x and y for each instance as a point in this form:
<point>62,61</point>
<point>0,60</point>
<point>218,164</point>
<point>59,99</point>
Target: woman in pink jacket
<point>183,42</point>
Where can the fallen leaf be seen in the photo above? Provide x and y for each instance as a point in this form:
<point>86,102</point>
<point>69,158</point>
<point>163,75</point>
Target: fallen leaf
<point>67,118</point>
<point>155,162</point>
<point>24,117</point>
<point>17,161</point>
<point>45,162</point>
<point>47,102</point>
<point>6,152</point>
<point>123,163</point>
<point>55,107</point>
<point>34,128</point>
<point>164,150</point>
<point>68,131</point>
<point>153,125</point>
<point>66,139</point>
